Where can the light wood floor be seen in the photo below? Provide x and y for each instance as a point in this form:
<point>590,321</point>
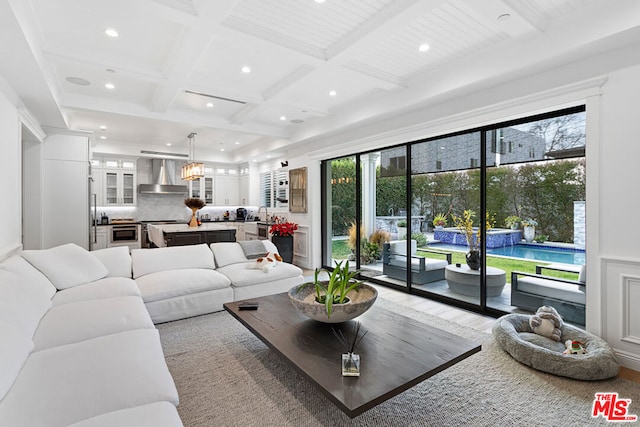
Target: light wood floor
<point>462,317</point>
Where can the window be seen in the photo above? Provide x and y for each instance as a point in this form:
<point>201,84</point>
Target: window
<point>266,189</point>
<point>473,163</point>
<point>398,163</point>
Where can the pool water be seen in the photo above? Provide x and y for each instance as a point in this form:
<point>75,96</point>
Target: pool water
<point>531,252</point>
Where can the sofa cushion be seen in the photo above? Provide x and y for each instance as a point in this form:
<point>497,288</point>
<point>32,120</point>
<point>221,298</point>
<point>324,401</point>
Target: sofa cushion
<point>243,274</point>
<point>399,247</point>
<point>79,321</point>
<point>146,261</point>
<point>429,263</point>
<point>227,253</point>
<point>552,289</point>
<point>174,283</point>
<point>33,277</point>
<point>67,265</point>
<point>14,351</point>
<point>108,287</point>
<point>21,305</point>
<point>74,382</point>
<point>157,414</point>
<point>116,259</point>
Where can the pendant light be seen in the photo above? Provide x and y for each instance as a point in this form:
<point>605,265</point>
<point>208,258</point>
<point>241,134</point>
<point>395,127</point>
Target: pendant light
<point>193,170</point>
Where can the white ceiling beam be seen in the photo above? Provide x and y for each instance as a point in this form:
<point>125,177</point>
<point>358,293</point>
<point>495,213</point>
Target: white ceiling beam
<point>189,52</point>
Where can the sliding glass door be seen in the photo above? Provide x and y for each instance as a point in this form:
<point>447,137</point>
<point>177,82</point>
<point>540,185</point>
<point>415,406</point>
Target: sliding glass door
<point>460,217</point>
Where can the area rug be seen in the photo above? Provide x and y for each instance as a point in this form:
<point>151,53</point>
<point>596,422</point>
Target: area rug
<point>227,377</point>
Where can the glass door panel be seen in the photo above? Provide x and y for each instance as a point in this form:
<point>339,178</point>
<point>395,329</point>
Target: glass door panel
<point>340,210</point>
<point>111,187</point>
<point>445,182</point>
<point>128,188</point>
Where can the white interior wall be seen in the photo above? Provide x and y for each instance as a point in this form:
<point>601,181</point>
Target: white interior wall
<point>10,174</point>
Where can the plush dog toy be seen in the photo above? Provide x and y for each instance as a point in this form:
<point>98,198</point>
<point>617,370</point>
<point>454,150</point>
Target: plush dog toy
<point>547,322</point>
<point>574,347</point>
<point>267,262</point>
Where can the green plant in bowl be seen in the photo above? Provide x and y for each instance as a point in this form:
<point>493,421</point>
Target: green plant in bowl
<point>334,291</point>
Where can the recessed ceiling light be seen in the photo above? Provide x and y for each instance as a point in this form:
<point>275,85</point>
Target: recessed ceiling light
<point>423,47</point>
<point>268,156</point>
<point>319,1</point>
<point>111,32</point>
<point>209,104</point>
<point>333,93</point>
<point>254,160</point>
<point>246,69</point>
<point>110,86</point>
<point>222,149</point>
<point>103,127</point>
<point>283,118</point>
<point>168,144</point>
<point>504,17</point>
<point>78,81</point>
<point>237,143</point>
<point>103,137</point>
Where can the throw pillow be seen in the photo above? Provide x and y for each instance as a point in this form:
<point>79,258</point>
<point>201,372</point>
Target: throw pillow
<point>67,266</point>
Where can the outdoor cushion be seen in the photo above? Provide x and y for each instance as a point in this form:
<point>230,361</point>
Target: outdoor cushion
<point>174,283</point>
<point>61,324</point>
<point>429,263</point>
<point>147,261</point>
<point>552,289</point>
<point>116,259</point>
<point>108,287</point>
<point>514,334</point>
<point>67,265</point>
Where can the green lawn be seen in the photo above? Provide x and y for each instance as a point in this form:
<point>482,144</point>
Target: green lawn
<point>340,250</point>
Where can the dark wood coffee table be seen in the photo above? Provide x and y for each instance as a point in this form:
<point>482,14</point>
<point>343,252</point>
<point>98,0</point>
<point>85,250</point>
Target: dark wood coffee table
<point>397,353</point>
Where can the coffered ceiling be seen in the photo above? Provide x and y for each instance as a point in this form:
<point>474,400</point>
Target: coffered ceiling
<point>313,68</point>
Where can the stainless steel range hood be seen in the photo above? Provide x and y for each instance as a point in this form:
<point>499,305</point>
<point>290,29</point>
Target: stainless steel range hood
<point>164,172</point>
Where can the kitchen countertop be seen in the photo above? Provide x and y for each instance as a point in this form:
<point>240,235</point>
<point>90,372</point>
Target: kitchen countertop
<point>206,226</point>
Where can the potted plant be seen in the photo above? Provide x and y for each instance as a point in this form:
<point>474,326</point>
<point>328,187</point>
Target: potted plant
<point>282,237</point>
<point>325,300</point>
<point>512,222</point>
<point>465,225</point>
<point>529,226</point>
<point>439,221</point>
<point>402,228</point>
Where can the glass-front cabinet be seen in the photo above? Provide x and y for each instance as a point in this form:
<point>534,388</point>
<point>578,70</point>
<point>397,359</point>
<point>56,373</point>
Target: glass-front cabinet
<point>119,188</point>
<point>119,182</point>
<point>202,188</point>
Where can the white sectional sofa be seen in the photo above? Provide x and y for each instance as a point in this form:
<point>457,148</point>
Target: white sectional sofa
<point>78,345</point>
<point>182,281</point>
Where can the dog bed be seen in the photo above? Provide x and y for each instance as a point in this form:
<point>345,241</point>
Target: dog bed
<point>515,336</point>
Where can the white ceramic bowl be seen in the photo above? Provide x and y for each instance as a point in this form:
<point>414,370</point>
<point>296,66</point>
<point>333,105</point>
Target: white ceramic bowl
<point>303,298</point>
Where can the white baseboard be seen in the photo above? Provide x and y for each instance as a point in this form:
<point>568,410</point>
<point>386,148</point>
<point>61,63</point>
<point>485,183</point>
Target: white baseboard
<point>628,360</point>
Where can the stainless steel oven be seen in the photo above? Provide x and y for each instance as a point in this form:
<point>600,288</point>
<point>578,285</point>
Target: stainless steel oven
<point>124,234</point>
<point>263,231</point>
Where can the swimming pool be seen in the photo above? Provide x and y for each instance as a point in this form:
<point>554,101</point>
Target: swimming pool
<point>531,252</point>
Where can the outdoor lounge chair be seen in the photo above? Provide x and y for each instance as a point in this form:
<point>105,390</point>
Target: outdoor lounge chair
<point>568,297</point>
<point>423,270</point>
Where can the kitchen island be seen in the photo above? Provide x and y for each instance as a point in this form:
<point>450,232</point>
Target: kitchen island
<point>163,235</point>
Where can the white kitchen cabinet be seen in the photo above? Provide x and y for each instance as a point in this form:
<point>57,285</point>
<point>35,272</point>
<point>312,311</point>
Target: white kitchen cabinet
<point>202,189</point>
<point>243,191</point>
<point>225,191</point>
<point>119,187</point>
<point>99,236</point>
